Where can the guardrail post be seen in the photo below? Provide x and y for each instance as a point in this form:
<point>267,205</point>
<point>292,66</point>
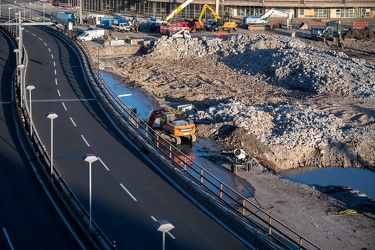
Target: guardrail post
<point>201,174</point>
<point>269,225</point>
<point>170,151</point>
<point>157,141</point>
<point>243,206</point>
<point>221,190</point>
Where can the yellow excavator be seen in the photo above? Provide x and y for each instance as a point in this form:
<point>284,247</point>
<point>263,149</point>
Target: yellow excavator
<point>221,24</point>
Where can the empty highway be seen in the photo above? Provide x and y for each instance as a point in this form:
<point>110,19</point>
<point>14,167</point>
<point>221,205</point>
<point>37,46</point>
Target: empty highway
<point>128,192</point>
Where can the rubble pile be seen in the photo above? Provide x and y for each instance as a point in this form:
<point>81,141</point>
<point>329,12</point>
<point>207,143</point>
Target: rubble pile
<point>280,61</point>
<point>354,33</point>
<point>296,134</point>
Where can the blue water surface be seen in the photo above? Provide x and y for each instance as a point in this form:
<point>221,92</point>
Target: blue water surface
<point>355,178</point>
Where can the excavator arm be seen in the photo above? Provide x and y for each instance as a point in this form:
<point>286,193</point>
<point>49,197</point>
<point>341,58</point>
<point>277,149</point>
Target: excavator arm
<point>177,10</point>
<point>206,6</point>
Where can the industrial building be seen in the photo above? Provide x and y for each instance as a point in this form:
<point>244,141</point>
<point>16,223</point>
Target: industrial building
<point>236,8</point>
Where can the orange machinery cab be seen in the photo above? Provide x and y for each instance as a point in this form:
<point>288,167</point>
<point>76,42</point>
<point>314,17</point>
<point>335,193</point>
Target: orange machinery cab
<point>175,126</point>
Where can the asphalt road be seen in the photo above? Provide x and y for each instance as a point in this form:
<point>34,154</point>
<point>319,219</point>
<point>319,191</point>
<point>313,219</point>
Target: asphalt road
<point>28,218</point>
<point>128,193</point>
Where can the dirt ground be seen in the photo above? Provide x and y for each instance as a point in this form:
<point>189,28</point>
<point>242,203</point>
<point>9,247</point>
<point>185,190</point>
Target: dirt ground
<point>312,211</point>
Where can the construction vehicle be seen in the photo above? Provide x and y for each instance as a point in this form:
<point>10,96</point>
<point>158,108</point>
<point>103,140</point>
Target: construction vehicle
<point>122,27</point>
<point>253,22</point>
<point>168,17</point>
<point>172,125</point>
<point>220,24</point>
<point>327,32</point>
<point>170,28</point>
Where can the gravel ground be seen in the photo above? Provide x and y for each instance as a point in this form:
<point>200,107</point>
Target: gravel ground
<point>289,103</point>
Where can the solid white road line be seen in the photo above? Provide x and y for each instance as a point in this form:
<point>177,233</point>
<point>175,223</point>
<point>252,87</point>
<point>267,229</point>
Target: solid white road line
<point>128,192</point>
<point>85,141</point>
<point>8,239</point>
<point>103,163</point>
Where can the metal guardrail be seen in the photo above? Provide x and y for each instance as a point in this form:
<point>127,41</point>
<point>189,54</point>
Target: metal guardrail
<point>249,212</point>
<point>67,197</point>
<point>242,206</point>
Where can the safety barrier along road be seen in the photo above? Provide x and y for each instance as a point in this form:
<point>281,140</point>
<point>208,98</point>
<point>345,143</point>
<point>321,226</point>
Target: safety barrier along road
<point>249,216</point>
<point>245,218</point>
<point>66,197</point>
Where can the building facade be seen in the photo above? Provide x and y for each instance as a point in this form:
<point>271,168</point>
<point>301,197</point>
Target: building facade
<point>236,8</point>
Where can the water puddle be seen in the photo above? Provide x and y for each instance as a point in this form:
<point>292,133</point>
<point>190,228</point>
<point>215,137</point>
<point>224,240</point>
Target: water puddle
<point>204,153</point>
<point>362,180</point>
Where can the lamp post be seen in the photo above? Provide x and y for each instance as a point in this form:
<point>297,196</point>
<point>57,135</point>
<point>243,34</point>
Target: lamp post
<point>125,95</point>
<point>9,8</point>
<point>163,226</point>
<point>30,10</point>
<point>44,13</point>
<point>29,88</point>
<point>17,57</point>
<point>15,7</point>
<point>51,116</point>
<point>90,158</point>
<point>0,7</point>
<point>20,68</point>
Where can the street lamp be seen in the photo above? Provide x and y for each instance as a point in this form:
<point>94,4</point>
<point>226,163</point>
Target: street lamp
<point>9,8</point>
<point>30,10</point>
<point>51,116</point>
<point>17,57</point>
<point>21,68</point>
<point>30,87</point>
<point>125,95</point>
<point>163,226</point>
<point>90,158</point>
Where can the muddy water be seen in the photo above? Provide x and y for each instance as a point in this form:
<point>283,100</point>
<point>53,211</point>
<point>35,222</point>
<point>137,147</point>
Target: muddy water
<point>204,153</point>
<point>362,180</point>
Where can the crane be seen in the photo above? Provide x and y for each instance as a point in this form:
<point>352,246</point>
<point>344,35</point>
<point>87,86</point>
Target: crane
<point>168,17</point>
<point>263,19</point>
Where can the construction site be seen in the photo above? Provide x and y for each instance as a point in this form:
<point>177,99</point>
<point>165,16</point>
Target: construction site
<point>287,99</point>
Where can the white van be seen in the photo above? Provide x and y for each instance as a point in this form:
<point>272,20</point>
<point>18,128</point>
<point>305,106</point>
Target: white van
<point>89,35</point>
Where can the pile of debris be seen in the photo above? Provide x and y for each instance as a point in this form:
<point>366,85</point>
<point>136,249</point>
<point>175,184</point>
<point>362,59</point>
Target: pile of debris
<point>281,61</point>
<point>354,33</point>
<point>287,104</point>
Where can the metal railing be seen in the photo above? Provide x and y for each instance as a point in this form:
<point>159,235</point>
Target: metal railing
<point>67,197</point>
<point>191,170</point>
<point>252,216</point>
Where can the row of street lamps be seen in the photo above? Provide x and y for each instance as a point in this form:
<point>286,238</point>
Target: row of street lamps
<point>24,11</point>
<point>160,225</point>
